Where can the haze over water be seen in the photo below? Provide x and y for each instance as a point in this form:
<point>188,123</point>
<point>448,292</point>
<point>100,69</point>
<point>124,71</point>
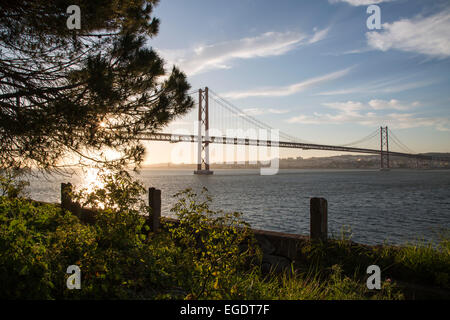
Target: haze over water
<point>397,206</point>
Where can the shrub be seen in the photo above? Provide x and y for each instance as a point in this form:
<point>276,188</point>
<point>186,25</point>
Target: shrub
<point>37,243</point>
<point>217,245</point>
<point>118,256</point>
<point>10,184</point>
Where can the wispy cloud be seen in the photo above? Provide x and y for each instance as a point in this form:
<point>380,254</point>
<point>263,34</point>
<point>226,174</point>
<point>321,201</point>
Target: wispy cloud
<point>354,51</point>
<point>319,35</point>
<point>393,120</point>
<point>429,36</point>
<point>360,2</point>
<point>384,86</point>
<point>392,104</point>
<point>351,112</point>
<point>347,107</point>
<point>261,111</point>
<point>287,90</point>
<point>219,56</point>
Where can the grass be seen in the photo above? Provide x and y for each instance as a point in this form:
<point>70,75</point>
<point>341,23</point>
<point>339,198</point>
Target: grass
<point>313,285</point>
<point>336,270</point>
<point>418,270</point>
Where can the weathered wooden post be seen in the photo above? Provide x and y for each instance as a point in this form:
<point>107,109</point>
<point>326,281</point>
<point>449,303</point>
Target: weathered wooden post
<point>318,218</point>
<point>154,202</point>
<point>66,199</point>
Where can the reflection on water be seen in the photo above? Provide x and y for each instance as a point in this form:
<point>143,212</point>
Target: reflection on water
<point>396,206</point>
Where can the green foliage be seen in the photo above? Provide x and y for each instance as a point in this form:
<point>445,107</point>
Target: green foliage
<point>118,256</point>
<point>216,244</point>
<point>311,285</point>
<point>420,263</point>
<point>341,287</point>
<point>10,184</point>
<point>37,242</point>
<point>79,92</point>
<point>118,192</point>
<point>424,262</point>
<point>128,261</point>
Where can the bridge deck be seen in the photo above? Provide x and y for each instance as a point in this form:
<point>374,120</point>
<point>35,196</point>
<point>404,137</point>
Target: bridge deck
<point>174,138</point>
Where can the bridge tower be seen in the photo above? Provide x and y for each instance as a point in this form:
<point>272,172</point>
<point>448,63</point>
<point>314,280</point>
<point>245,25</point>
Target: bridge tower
<point>384,142</point>
<point>203,125</point>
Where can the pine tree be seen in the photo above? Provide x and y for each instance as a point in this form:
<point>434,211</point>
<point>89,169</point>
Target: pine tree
<point>78,91</point>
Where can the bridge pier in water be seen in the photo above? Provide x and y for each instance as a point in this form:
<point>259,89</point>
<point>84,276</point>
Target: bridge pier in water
<point>203,123</point>
<point>384,155</point>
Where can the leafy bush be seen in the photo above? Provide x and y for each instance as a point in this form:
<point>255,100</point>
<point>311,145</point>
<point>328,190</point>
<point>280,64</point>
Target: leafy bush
<point>37,243</point>
<point>217,245</point>
<point>116,191</point>
<point>10,183</point>
<point>118,256</point>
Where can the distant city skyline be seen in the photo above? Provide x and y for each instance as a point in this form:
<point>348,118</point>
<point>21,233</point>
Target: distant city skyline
<point>314,69</point>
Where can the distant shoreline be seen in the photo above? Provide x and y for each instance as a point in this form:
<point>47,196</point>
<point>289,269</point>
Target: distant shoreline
<point>371,162</point>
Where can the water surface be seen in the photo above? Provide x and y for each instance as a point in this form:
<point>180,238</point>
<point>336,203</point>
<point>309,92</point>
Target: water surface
<point>396,206</point>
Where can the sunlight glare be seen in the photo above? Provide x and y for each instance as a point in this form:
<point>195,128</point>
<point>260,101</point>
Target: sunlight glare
<point>92,179</point>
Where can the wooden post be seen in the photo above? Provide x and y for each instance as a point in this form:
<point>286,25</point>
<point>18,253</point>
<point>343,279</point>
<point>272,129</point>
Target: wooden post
<point>318,218</point>
<point>66,199</point>
<point>154,202</point>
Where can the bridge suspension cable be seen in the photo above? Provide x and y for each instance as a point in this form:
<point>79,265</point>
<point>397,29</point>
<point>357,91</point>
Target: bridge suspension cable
<point>250,119</point>
<point>399,143</point>
<point>370,136</point>
<point>193,92</point>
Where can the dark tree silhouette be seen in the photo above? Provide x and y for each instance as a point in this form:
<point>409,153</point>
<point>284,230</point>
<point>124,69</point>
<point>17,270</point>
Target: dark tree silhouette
<point>76,92</point>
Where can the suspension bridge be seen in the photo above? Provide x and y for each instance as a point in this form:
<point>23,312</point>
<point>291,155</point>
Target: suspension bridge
<point>215,114</point>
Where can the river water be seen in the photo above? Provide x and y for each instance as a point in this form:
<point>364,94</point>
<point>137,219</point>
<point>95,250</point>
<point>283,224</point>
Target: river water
<point>396,206</point>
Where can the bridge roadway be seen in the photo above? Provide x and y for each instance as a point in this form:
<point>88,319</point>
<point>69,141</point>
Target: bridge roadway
<point>175,138</point>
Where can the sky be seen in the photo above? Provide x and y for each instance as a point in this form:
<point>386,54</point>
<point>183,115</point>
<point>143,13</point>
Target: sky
<point>314,69</point>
